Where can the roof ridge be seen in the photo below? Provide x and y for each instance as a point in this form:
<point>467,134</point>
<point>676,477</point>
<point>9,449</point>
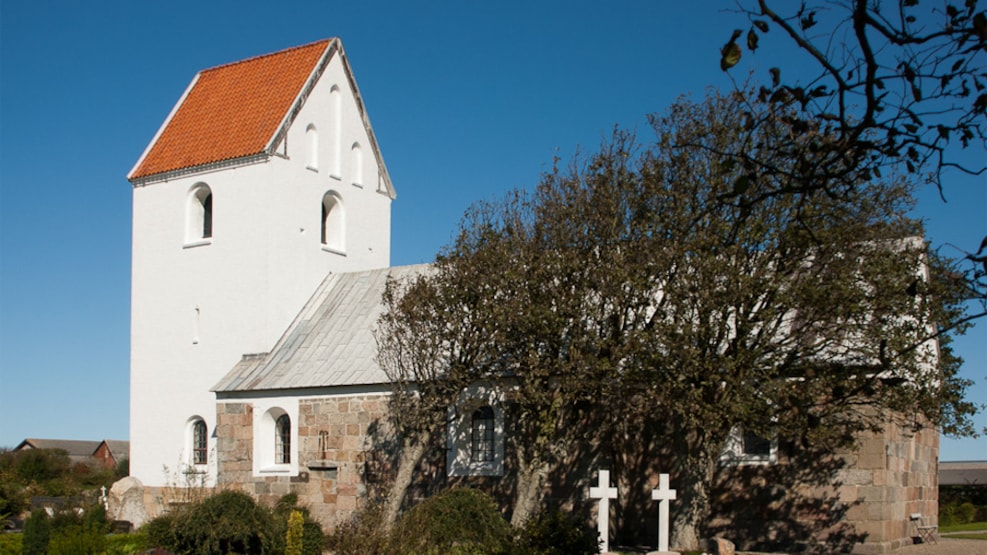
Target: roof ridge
<point>267,55</point>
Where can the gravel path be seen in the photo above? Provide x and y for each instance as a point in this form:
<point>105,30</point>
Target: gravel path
<point>946,546</point>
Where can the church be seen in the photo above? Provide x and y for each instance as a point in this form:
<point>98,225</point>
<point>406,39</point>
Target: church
<point>261,248</point>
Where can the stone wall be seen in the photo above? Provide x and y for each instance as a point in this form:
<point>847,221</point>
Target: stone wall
<point>860,499</point>
<point>892,475</point>
<point>334,435</point>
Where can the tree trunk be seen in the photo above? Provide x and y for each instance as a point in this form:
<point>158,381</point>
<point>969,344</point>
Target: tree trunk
<point>695,475</point>
<point>530,484</point>
<point>411,454</point>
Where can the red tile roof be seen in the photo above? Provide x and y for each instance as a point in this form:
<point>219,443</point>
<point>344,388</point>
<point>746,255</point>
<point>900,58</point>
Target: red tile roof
<point>232,110</point>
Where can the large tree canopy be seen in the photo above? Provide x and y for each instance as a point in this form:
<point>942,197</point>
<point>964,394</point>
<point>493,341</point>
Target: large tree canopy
<point>901,85</point>
<point>658,275</point>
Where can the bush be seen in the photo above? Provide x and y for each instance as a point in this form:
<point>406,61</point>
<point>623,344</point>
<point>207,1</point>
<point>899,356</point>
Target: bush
<point>37,532</point>
<point>160,532</point>
<point>126,544</point>
<point>313,540</point>
<point>231,522</point>
<point>228,522</point>
<point>967,512</point>
<point>361,535</point>
<point>555,533</point>
<point>11,544</point>
<point>458,520</point>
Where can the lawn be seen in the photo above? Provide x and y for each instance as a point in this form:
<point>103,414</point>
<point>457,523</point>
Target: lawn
<point>978,531</point>
<point>968,527</point>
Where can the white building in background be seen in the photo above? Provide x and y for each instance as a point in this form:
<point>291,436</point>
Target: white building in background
<point>264,178</point>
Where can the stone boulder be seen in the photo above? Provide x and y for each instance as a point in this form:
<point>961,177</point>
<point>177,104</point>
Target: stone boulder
<point>720,546</point>
<point>126,501</point>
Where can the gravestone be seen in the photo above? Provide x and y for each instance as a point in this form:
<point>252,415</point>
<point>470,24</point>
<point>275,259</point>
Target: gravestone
<point>604,493</point>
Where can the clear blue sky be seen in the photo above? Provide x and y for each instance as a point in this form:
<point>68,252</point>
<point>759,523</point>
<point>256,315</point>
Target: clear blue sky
<point>467,100</point>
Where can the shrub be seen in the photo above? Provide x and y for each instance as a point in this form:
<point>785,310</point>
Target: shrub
<point>160,532</point>
<point>362,534</point>
<point>11,544</point>
<point>126,544</point>
<point>75,539</point>
<point>967,512</point>
<point>231,522</point>
<point>37,532</point>
<point>312,539</point>
<point>293,543</point>
<point>228,522</point>
<point>556,533</point>
<point>458,520</point>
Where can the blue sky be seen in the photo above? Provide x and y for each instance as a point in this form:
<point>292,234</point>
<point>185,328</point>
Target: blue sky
<point>467,100</point>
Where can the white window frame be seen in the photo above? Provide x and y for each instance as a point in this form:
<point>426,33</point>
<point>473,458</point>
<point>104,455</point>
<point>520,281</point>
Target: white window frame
<point>333,223</point>
<point>196,214</point>
<point>734,453</point>
<point>266,414</point>
<point>459,459</point>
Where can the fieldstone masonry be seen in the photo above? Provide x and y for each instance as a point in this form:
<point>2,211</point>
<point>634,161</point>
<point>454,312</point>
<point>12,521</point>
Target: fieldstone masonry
<point>333,444</point>
<point>893,474</point>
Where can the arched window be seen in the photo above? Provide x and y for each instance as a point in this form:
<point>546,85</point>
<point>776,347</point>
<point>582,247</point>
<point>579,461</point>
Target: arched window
<point>333,223</point>
<point>312,156</point>
<point>356,155</point>
<point>482,435</point>
<point>282,440</point>
<point>476,434</point>
<point>200,442</point>
<point>198,214</point>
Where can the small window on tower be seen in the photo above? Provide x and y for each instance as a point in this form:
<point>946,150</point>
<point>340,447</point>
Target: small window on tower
<point>199,216</point>
<point>333,223</point>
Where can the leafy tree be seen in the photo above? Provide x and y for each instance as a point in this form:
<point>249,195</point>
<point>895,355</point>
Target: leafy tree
<point>895,85</point>
<point>665,275</point>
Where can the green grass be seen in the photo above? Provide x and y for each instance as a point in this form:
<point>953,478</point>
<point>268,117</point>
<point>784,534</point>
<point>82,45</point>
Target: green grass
<point>968,527</point>
<point>967,536</point>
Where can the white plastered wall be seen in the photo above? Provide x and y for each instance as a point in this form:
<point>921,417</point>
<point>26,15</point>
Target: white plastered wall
<point>197,309</point>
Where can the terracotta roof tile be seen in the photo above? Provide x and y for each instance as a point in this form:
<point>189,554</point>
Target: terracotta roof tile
<point>232,110</point>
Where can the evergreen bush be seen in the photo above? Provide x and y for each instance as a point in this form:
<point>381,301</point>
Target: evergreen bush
<point>37,532</point>
<point>557,533</point>
<point>228,522</point>
<point>362,534</point>
<point>232,522</point>
<point>459,520</point>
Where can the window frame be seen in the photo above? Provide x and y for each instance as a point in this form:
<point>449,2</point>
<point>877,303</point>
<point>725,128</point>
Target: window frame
<point>460,447</point>
<point>736,451</point>
<point>282,440</point>
<point>199,216</point>
<point>200,442</point>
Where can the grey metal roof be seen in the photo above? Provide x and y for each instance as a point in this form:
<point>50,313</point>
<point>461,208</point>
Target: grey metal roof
<point>962,473</point>
<point>77,450</point>
<point>330,343</point>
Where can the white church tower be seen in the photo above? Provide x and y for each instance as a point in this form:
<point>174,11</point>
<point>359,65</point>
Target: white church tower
<point>264,177</point>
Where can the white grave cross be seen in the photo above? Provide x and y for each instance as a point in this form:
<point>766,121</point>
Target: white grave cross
<point>604,493</point>
<point>662,495</point>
